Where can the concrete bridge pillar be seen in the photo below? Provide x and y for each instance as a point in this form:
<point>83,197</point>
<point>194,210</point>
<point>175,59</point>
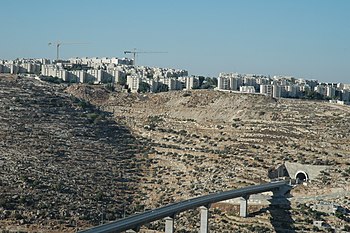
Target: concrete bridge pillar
<point>204,219</point>
<point>169,225</point>
<point>243,207</point>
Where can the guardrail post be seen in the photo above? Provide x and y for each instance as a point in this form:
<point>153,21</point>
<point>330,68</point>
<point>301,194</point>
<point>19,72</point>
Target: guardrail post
<point>204,219</point>
<point>243,207</point>
<point>169,225</point>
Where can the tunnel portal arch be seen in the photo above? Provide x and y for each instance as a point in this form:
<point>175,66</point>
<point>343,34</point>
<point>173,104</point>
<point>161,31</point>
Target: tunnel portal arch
<point>301,176</point>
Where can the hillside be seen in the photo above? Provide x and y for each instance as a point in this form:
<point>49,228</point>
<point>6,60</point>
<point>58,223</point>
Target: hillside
<point>63,162</point>
<point>206,141</point>
<point>74,156</point>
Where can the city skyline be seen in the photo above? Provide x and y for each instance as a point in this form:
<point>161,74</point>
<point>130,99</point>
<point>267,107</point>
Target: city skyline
<point>301,39</point>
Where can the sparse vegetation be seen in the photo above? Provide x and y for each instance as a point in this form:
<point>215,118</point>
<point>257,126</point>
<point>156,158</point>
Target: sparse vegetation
<point>65,168</point>
<point>51,79</point>
<point>182,145</point>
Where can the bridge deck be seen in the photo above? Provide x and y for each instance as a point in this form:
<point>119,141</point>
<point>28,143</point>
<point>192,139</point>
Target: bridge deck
<point>138,220</point>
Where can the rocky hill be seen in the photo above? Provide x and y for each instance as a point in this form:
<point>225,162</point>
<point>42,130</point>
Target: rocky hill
<point>64,164</point>
<point>81,154</point>
<point>207,141</point>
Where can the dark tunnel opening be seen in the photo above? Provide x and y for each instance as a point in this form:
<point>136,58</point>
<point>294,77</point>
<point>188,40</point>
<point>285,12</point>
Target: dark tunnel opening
<point>301,177</point>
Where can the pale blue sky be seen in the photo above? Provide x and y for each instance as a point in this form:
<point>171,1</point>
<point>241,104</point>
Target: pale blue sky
<point>304,38</point>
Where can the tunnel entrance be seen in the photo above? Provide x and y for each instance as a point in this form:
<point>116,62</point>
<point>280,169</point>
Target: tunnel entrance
<point>301,177</point>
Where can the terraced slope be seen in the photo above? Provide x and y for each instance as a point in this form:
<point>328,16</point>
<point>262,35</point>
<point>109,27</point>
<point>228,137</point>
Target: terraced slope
<point>207,141</point>
<point>64,162</point>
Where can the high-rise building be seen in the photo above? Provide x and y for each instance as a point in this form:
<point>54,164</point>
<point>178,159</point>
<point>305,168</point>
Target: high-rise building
<point>133,82</point>
<point>276,91</point>
<point>266,89</point>
<point>330,91</point>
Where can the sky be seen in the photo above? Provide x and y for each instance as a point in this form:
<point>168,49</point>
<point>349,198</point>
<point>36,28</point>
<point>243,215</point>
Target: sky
<point>305,39</point>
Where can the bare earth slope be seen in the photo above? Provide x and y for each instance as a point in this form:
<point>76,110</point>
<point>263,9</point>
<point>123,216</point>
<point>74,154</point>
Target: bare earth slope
<point>207,141</point>
<point>66,164</point>
<point>63,163</point>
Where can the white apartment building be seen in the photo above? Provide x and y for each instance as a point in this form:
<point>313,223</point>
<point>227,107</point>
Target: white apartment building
<point>234,83</point>
<point>266,89</point>
<point>4,69</point>
<point>152,84</point>
<point>229,81</point>
<point>223,83</point>
<point>262,81</point>
<point>191,82</point>
<point>330,91</point>
<point>95,61</point>
<point>281,86</point>
<point>22,66</point>
<point>133,82</point>
<point>292,90</point>
<point>56,71</point>
<point>116,73</point>
<point>276,91</point>
<point>78,76</point>
<point>11,68</point>
<point>249,81</point>
<point>303,87</point>
<point>50,70</point>
<point>346,86</point>
<point>247,89</point>
<point>97,76</point>
<point>63,74</point>
<point>320,89</point>
<point>173,83</point>
<point>345,95</point>
<point>89,76</point>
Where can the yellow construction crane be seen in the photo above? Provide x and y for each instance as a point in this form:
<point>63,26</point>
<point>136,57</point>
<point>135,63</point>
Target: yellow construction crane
<point>58,44</point>
<point>134,52</point>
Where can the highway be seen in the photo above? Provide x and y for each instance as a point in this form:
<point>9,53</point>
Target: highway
<point>138,220</point>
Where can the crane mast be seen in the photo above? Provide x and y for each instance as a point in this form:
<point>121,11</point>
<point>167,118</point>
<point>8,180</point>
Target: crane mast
<point>58,44</point>
<point>134,52</point>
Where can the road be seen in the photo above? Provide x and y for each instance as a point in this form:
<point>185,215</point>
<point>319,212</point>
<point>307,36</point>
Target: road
<point>138,220</point>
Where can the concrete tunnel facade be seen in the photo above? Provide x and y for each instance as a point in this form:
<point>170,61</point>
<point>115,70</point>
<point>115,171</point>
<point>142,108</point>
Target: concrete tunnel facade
<point>304,172</point>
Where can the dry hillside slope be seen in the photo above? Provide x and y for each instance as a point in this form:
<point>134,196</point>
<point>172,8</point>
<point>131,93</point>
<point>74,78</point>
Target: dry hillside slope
<point>62,161</point>
<point>205,141</point>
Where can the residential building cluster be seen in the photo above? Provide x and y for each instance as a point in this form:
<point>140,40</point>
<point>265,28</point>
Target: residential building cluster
<point>155,77</point>
<point>89,70</point>
<point>103,70</point>
<point>122,70</point>
<point>20,66</point>
<point>283,86</point>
